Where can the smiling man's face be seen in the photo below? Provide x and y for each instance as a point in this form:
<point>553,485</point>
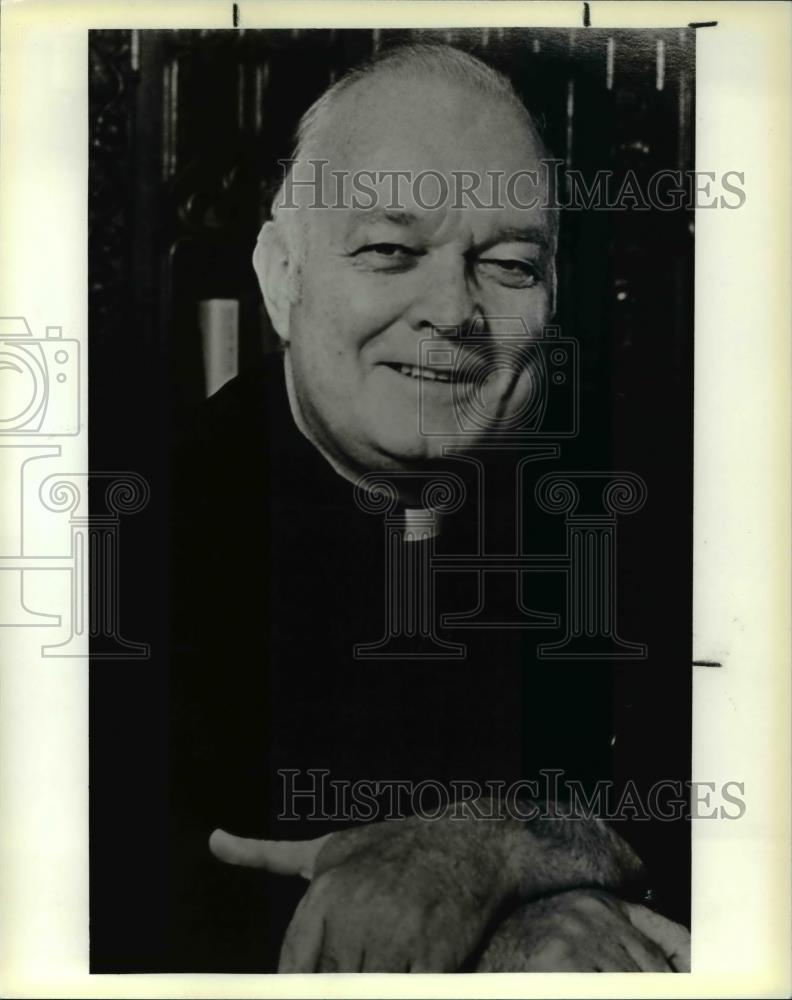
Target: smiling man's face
<point>376,284</point>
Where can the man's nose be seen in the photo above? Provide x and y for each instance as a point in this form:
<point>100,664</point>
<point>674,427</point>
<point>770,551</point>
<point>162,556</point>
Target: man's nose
<point>447,298</point>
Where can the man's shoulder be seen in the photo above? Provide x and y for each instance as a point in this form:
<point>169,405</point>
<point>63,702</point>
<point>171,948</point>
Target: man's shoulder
<point>232,440</point>
<point>245,406</point>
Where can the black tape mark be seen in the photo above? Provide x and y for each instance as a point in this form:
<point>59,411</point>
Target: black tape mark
<point>703,24</point>
<point>235,14</point>
<point>586,16</point>
<point>706,663</point>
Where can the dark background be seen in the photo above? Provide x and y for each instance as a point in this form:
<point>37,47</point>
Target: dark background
<point>186,128</point>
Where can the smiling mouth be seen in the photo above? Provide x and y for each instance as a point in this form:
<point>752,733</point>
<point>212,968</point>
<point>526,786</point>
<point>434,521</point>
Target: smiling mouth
<point>423,374</point>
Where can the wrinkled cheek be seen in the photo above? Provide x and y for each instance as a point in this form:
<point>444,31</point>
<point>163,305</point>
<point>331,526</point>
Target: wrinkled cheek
<point>346,314</point>
<point>504,304</point>
<point>526,390</point>
<point>539,314</point>
<point>505,391</point>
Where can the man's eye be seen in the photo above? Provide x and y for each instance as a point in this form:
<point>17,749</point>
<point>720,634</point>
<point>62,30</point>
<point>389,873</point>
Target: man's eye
<point>388,249</point>
<point>510,272</point>
<point>387,256</point>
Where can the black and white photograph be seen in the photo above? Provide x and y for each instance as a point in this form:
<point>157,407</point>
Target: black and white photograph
<point>386,552</point>
<point>419,450</point>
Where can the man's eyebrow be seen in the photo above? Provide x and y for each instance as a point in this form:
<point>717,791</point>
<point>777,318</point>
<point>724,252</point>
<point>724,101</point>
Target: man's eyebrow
<point>518,234</point>
<point>396,217</point>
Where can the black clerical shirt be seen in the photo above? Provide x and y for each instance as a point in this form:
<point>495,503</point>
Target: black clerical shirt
<point>278,574</point>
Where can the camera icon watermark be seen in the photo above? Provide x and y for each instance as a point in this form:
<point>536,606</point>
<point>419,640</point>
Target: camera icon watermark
<point>500,398</point>
<point>499,379</point>
<point>39,378</point>
<point>59,560</point>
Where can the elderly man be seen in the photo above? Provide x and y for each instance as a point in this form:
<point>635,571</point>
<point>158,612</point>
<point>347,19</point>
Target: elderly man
<point>286,573</point>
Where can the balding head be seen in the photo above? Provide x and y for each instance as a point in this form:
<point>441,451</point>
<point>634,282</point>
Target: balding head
<point>376,114</point>
<point>428,65</point>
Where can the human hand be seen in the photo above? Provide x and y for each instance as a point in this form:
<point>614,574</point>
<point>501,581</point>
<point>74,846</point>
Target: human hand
<point>587,930</point>
<point>418,895</point>
<point>401,896</point>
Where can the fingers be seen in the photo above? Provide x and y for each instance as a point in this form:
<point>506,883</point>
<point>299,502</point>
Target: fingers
<point>673,939</point>
<point>645,955</point>
<point>340,952</point>
<point>302,945</point>
<point>281,857</point>
<point>434,961</point>
<point>584,931</point>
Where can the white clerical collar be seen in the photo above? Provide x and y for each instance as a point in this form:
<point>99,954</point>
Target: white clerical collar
<point>419,523</point>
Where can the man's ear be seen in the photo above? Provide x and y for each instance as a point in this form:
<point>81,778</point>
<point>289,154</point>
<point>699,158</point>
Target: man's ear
<point>276,272</point>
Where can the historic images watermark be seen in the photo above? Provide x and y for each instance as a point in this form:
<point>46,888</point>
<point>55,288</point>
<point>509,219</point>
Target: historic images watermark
<point>314,795</point>
<point>40,404</point>
<point>309,184</point>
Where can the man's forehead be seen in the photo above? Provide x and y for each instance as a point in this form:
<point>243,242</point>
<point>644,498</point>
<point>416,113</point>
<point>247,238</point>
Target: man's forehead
<point>428,124</point>
<point>438,158</point>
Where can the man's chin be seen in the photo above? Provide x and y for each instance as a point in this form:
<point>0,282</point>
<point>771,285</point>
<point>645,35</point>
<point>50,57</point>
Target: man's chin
<point>420,455</point>
<point>413,469</point>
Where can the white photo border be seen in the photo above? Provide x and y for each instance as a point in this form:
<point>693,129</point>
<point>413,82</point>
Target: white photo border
<point>741,869</point>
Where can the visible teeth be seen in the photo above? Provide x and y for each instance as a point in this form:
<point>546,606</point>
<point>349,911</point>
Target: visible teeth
<point>426,373</point>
